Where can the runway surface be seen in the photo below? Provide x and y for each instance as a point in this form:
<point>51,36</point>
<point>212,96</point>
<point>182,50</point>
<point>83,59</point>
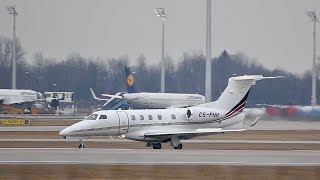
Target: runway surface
<point>183,141</point>
<point>158,157</point>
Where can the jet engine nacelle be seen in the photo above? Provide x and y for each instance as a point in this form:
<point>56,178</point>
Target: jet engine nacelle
<point>204,114</point>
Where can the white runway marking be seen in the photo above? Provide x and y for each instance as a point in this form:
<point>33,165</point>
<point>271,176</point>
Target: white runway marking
<point>96,149</point>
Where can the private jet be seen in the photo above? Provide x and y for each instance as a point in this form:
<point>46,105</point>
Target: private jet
<point>156,126</point>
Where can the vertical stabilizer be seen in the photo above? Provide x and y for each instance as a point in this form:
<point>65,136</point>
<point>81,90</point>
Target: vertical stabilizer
<point>132,86</point>
<point>235,95</point>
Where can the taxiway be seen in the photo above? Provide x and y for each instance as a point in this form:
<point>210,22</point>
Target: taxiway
<point>159,157</point>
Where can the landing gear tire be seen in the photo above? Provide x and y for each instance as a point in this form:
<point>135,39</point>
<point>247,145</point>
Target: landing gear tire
<point>156,146</point>
<point>81,146</point>
<point>175,143</point>
<point>178,147</point>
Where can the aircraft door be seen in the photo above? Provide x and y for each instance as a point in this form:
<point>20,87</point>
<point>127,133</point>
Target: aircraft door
<point>123,122</point>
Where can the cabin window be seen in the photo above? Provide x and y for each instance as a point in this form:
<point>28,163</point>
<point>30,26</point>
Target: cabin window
<point>103,117</point>
<point>173,116</point>
<point>92,117</point>
<point>133,117</point>
<point>159,117</point>
<point>149,117</point>
<point>141,117</point>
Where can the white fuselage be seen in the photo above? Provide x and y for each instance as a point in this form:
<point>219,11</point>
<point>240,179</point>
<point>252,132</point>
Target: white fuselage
<point>133,124</point>
<point>163,100</point>
<point>17,96</point>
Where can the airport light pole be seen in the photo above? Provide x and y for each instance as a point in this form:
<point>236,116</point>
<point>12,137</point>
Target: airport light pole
<point>208,54</point>
<point>160,13</point>
<point>54,87</point>
<point>12,10</point>
<point>26,79</point>
<point>314,19</point>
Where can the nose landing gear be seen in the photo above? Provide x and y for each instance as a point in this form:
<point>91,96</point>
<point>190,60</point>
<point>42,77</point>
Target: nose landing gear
<point>81,146</point>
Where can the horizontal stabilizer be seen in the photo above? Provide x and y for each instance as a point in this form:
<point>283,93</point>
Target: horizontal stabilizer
<point>254,77</point>
<point>255,122</point>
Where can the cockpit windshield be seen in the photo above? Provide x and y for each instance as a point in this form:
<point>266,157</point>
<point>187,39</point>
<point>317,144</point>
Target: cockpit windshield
<point>92,117</point>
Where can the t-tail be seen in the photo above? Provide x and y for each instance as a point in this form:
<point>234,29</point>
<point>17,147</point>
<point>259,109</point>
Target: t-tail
<point>234,97</point>
<point>132,86</point>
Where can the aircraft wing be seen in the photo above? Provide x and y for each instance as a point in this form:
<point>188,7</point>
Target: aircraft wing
<point>112,96</point>
<point>201,131</point>
<point>178,106</point>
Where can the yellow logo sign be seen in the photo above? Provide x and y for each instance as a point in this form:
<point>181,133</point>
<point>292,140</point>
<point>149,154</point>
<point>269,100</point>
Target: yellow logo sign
<point>130,80</point>
<point>15,122</point>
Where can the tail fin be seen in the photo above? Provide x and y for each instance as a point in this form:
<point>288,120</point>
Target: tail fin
<point>235,95</point>
<point>131,82</point>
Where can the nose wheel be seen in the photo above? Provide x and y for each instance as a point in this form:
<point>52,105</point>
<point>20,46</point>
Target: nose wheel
<point>156,145</point>
<point>81,146</point>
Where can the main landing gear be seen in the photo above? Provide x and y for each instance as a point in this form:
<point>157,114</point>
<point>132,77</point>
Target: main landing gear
<point>154,145</point>
<point>178,147</point>
<point>81,146</point>
<point>175,143</point>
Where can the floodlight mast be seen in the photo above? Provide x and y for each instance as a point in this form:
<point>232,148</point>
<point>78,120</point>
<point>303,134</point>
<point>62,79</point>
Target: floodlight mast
<point>160,13</point>
<point>12,11</point>
<point>208,54</point>
<point>314,19</point>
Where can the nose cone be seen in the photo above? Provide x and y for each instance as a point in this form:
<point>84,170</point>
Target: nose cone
<point>69,131</point>
<point>65,131</point>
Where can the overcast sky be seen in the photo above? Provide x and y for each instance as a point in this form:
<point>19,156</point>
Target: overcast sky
<point>275,32</point>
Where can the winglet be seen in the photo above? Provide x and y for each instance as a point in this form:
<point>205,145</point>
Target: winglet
<point>95,97</point>
<point>93,94</point>
<point>255,122</point>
